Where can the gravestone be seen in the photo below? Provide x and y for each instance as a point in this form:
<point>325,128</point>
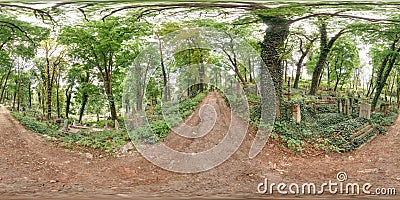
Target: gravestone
<point>297,113</point>
<point>340,106</point>
<point>347,107</point>
<point>65,127</point>
<point>106,125</point>
<point>116,125</point>
<point>365,110</point>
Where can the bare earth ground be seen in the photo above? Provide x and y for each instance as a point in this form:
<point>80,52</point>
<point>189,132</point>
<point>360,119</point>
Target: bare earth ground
<point>33,168</point>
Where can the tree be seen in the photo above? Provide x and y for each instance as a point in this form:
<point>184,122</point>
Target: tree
<point>386,65</point>
<point>50,67</point>
<point>325,48</point>
<point>305,46</point>
<point>271,50</point>
<point>98,42</point>
<point>343,60</point>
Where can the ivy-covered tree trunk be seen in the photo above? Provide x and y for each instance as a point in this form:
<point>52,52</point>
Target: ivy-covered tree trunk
<point>321,61</point>
<point>383,74</point>
<point>272,48</point>
<point>325,48</point>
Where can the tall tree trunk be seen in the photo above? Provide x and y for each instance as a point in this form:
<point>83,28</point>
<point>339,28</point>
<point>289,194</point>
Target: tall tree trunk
<point>19,91</point>
<point>382,77</point>
<point>58,97</point>
<point>39,98</point>
<point>272,49</point>
<point>329,78</point>
<point>68,96</point>
<point>30,93</point>
<point>85,97</point>
<point>1,81</point>
<point>48,101</point>
<point>325,48</point>
<point>392,87</point>
<point>5,85</point>
<point>110,97</point>
<point>44,101</point>
<point>320,78</point>
<point>201,72</point>
<point>139,95</point>
<point>15,95</point>
<point>250,71</point>
<point>164,72</point>
<point>299,66</point>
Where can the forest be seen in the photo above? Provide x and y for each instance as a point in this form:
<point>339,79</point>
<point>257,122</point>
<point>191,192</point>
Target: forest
<point>90,75</point>
<point>199,100</point>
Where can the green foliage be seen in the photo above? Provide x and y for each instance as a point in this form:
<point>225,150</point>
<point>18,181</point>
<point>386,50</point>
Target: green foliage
<point>31,123</point>
<point>187,106</point>
<point>159,126</point>
<point>107,140</point>
<point>380,119</point>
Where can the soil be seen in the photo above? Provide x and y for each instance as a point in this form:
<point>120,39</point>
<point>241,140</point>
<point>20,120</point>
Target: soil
<point>32,167</point>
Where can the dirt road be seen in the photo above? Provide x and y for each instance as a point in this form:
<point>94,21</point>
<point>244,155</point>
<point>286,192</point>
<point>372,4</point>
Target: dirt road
<point>33,168</point>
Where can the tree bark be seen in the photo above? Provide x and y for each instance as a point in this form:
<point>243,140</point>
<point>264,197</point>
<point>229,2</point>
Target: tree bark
<point>19,90</point>
<point>5,85</point>
<point>30,93</point>
<point>85,97</point>
<point>201,72</point>
<point>383,75</point>
<point>299,64</point>
<point>57,96</point>
<point>325,48</point>
<point>272,48</point>
<point>68,96</point>
<point>164,73</point>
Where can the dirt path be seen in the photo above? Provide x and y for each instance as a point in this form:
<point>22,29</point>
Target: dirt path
<point>31,167</point>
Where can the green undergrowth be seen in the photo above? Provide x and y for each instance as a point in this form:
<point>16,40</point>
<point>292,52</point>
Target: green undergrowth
<point>163,118</point>
<point>35,125</point>
<point>107,140</point>
<point>322,128</point>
